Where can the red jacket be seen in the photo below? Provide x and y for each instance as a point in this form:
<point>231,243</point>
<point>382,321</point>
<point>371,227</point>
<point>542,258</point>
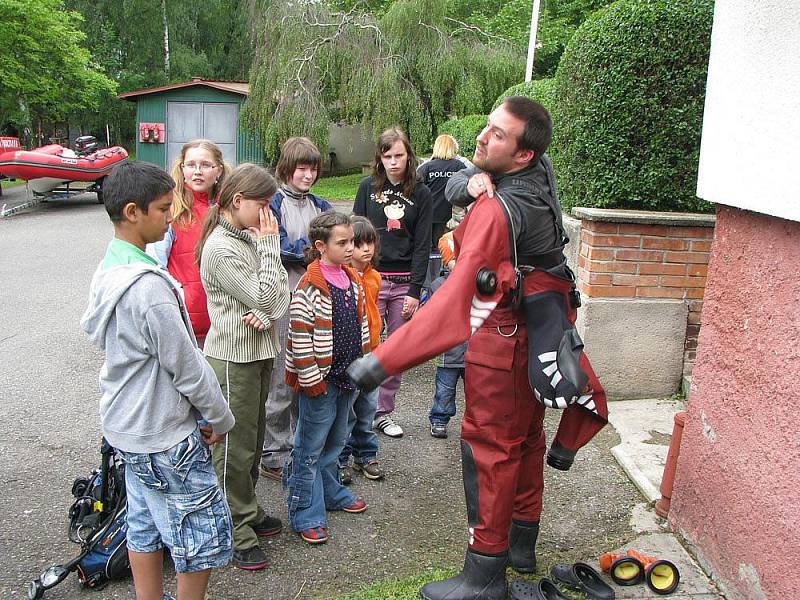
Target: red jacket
<point>182,266</point>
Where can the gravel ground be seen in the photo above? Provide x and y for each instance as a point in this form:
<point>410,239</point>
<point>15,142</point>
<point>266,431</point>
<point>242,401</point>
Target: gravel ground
<point>416,517</point>
<point>415,521</point>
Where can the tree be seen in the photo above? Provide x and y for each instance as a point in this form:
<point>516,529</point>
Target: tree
<point>210,40</point>
<point>414,65</point>
<point>558,21</point>
<point>46,70</point>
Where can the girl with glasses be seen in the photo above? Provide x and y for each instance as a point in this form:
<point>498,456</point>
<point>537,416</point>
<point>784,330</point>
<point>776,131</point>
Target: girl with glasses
<point>198,172</point>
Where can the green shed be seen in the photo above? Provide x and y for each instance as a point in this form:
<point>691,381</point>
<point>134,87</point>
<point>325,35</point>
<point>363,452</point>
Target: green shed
<point>169,116</point>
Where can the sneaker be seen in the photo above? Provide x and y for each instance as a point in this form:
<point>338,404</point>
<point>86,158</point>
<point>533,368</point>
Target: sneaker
<point>275,473</point>
<point>356,506</point>
<point>345,475</point>
<point>252,559</point>
<point>269,526</point>
<point>314,535</point>
<point>371,470</point>
<point>439,430</point>
<point>388,426</point>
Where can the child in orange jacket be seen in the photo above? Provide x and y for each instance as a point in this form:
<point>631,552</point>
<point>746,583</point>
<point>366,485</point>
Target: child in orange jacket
<point>362,442</point>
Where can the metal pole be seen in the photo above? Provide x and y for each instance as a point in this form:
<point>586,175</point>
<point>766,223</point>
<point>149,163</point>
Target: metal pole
<point>532,39</point>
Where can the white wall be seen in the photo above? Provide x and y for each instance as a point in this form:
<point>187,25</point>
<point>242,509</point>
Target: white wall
<point>750,151</point>
<point>351,145</point>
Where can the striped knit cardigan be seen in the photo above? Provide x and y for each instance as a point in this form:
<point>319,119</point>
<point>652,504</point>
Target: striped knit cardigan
<point>309,345</point>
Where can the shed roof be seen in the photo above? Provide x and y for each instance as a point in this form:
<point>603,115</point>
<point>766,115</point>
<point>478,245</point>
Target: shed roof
<point>236,87</point>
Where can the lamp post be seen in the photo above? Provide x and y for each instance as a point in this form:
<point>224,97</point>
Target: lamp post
<point>532,39</point>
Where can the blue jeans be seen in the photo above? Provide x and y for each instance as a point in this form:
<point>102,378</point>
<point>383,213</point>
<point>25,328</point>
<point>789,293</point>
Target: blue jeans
<point>362,442</point>
<point>312,472</point>
<point>174,500</point>
<point>444,398</point>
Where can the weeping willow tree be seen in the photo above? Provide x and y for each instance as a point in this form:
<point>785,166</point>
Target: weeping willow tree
<point>414,65</point>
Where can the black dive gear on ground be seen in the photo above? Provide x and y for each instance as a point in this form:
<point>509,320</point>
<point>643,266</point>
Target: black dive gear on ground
<point>522,545</point>
<point>583,578</point>
<point>483,578</point>
<point>544,589</point>
<point>97,523</point>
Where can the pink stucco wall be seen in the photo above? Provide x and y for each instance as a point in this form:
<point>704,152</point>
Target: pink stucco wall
<point>737,486</point>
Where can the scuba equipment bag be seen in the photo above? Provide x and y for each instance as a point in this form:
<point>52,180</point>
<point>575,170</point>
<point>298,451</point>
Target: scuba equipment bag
<point>97,523</point>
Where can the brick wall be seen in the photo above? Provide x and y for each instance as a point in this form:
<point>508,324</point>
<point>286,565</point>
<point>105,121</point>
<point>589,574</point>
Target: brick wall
<point>641,260</point>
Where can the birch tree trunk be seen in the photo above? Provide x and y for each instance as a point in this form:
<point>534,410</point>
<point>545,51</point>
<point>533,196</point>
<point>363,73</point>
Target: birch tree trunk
<point>166,36</point>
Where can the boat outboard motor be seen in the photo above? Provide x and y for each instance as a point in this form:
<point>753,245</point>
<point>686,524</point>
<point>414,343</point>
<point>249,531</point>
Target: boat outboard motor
<point>86,144</point>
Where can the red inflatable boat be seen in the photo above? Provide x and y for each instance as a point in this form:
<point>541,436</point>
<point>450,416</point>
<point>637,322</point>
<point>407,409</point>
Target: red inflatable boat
<point>48,167</point>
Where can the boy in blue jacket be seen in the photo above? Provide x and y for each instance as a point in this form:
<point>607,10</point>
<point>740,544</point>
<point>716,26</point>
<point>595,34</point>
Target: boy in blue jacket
<point>294,206</point>
<point>449,364</point>
<point>156,385</point>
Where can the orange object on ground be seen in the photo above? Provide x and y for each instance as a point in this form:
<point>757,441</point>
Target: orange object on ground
<point>623,569</point>
<point>661,576</point>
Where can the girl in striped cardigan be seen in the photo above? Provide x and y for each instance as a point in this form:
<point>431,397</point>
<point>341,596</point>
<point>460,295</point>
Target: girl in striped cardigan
<point>328,330</point>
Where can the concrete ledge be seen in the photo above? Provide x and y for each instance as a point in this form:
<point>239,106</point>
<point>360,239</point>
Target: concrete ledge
<point>645,430</point>
<point>644,217</point>
<point>635,345</point>
<point>573,228</point>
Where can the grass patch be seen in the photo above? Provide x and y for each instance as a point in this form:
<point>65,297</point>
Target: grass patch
<point>408,588</point>
<point>343,187</point>
<point>7,183</point>
<point>398,589</point>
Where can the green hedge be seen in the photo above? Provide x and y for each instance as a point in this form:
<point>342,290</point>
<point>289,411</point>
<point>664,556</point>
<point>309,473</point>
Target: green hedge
<point>541,90</point>
<point>465,130</point>
<point>629,100</point>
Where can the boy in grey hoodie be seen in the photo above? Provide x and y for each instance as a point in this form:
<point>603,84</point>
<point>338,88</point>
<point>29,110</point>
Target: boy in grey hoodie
<point>155,386</point>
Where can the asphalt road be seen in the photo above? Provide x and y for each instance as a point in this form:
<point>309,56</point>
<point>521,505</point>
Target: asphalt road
<point>49,393</point>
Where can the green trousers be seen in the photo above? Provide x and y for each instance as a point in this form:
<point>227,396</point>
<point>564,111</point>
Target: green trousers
<point>245,387</point>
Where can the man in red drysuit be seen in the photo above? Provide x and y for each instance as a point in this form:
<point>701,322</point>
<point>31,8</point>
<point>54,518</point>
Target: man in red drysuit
<point>512,295</point>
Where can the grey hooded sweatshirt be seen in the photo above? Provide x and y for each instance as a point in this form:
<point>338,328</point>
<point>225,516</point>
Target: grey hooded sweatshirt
<point>155,382</point>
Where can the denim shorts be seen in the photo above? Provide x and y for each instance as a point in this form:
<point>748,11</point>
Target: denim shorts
<point>174,500</point>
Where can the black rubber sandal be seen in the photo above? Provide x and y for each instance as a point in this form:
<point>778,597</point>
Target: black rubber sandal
<point>583,578</point>
<point>544,589</point>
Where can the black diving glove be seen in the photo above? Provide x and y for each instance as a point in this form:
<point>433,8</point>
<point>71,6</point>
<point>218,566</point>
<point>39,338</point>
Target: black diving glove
<point>366,372</point>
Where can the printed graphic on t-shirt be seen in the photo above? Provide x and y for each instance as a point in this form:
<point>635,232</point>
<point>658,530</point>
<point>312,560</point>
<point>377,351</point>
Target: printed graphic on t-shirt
<point>390,196</point>
<point>394,212</point>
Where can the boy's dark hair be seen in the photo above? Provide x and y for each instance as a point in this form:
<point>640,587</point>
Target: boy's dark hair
<point>538,126</point>
<point>135,181</point>
<point>297,151</point>
<point>364,232</point>
<point>321,228</point>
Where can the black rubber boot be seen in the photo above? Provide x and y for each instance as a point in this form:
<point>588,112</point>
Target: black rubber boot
<point>483,578</point>
<point>522,545</point>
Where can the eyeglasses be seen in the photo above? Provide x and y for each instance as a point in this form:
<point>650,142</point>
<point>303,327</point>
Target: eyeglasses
<point>203,166</point>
